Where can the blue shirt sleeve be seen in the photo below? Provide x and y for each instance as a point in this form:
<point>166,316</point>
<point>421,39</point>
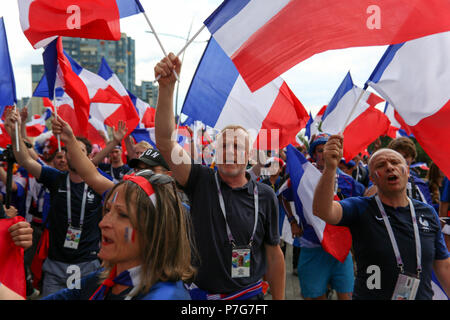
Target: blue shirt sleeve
<point>352,208</point>
<point>441,248</point>
<point>445,195</point>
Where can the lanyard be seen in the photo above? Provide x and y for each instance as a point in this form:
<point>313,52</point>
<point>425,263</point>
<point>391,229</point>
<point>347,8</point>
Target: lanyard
<point>394,242</point>
<point>222,206</point>
<point>69,207</point>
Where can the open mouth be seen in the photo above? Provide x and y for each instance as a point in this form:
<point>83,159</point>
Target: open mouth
<point>392,178</point>
<point>106,241</point>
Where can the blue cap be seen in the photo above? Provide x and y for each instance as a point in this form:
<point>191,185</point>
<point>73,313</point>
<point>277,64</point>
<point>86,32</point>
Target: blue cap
<point>318,140</point>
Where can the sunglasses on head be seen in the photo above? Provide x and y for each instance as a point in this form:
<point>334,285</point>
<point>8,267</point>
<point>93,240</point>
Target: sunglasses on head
<point>154,178</point>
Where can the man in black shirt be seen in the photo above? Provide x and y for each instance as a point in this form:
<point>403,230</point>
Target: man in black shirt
<point>236,249</point>
<point>397,241</point>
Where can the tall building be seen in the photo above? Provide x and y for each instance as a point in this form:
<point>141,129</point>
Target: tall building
<point>120,56</point>
<point>148,92</point>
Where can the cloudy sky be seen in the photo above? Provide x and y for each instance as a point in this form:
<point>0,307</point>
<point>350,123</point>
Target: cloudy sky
<point>314,81</point>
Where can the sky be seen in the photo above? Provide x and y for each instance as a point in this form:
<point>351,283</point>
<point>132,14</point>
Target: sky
<point>314,81</point>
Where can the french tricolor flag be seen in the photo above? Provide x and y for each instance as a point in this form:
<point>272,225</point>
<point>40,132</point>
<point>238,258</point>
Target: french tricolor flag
<point>265,38</point>
<point>312,127</point>
<point>414,78</point>
<point>126,111</point>
<point>145,111</point>
<point>218,96</point>
<point>304,178</point>
<point>366,123</point>
<point>43,21</point>
<point>395,129</point>
<point>36,126</point>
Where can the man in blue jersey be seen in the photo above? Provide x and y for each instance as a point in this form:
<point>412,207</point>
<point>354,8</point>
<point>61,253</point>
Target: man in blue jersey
<point>397,241</point>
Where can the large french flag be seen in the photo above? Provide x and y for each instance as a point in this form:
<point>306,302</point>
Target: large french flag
<point>218,97</point>
<point>414,78</point>
<point>265,38</point>
<point>304,178</point>
<point>366,123</point>
<point>8,95</point>
<point>44,20</point>
<point>126,111</point>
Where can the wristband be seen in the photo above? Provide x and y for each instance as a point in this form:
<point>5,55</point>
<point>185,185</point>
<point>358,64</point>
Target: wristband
<point>291,218</point>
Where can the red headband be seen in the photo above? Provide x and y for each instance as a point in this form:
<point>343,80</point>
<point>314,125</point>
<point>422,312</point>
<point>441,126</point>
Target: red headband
<point>144,184</point>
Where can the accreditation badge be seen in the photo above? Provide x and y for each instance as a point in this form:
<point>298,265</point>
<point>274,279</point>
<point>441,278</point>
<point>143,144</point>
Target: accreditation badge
<point>73,236</point>
<point>406,287</point>
<point>240,262</point>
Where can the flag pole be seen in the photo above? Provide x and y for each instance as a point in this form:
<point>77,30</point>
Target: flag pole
<point>58,137</point>
<point>185,46</point>
<point>182,59</point>
<point>159,41</point>
<point>191,40</point>
<point>353,110</point>
<point>16,127</point>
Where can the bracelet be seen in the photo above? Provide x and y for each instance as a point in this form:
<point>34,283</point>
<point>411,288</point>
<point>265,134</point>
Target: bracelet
<point>291,219</point>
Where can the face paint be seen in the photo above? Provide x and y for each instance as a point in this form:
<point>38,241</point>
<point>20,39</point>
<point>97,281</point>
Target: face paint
<point>377,174</point>
<point>129,234</point>
<point>403,170</point>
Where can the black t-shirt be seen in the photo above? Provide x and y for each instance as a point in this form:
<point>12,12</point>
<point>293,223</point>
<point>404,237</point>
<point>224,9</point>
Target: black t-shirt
<point>372,246</point>
<point>214,273</point>
<point>88,247</point>
<point>115,173</point>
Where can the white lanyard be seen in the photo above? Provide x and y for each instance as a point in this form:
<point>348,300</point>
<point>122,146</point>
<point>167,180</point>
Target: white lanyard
<point>394,242</point>
<point>69,207</point>
<point>222,206</point>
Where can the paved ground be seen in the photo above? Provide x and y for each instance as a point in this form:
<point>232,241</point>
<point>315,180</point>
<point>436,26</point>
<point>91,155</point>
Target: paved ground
<point>292,283</point>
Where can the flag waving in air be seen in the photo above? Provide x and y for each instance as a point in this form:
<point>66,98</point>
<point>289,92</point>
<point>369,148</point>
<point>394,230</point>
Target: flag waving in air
<point>414,78</point>
<point>304,178</point>
<point>126,111</point>
<point>366,122</point>
<point>7,83</point>
<point>265,38</point>
<point>44,20</point>
<point>219,97</point>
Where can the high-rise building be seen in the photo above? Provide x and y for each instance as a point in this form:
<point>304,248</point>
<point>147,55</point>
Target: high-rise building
<point>120,56</point>
<point>148,92</point>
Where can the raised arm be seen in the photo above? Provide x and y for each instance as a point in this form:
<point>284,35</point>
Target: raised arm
<point>177,159</point>
<point>118,135</point>
<point>22,156</point>
<point>324,205</point>
<point>78,159</point>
